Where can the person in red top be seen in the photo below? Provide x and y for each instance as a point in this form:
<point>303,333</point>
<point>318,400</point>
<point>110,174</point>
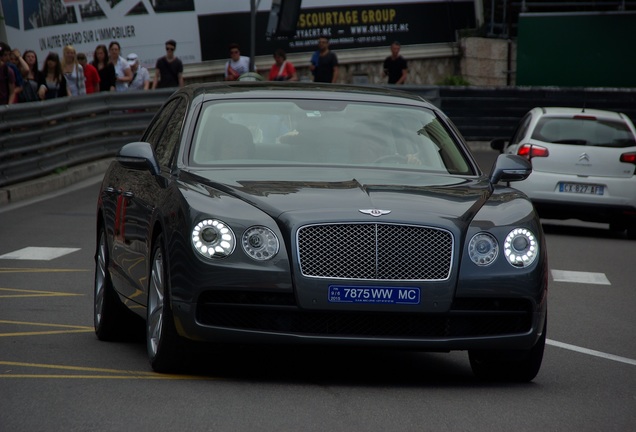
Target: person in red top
<point>282,70</point>
<point>91,74</point>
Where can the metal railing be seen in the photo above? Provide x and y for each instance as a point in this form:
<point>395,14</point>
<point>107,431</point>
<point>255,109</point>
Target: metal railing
<point>38,138</point>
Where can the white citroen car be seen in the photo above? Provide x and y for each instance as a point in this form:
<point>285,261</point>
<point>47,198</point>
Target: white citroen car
<point>583,164</point>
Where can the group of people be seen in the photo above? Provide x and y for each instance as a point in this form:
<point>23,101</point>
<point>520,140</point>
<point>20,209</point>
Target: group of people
<point>21,79</point>
<point>323,65</point>
<point>72,75</point>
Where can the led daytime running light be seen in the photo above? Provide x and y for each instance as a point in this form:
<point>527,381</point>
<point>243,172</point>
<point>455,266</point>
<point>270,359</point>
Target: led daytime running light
<point>521,247</point>
<point>213,238</point>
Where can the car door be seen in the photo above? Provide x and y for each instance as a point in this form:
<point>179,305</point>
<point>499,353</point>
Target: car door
<point>142,196</point>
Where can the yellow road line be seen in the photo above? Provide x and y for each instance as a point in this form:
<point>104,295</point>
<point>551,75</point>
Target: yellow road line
<point>157,377</point>
<point>68,329</point>
<point>117,374</point>
<point>34,293</point>
<point>52,332</point>
<point>40,270</point>
<point>44,324</point>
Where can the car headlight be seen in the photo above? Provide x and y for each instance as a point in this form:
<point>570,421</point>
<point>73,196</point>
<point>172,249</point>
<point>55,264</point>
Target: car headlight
<point>260,243</point>
<point>521,247</point>
<point>213,238</point>
<point>483,249</point>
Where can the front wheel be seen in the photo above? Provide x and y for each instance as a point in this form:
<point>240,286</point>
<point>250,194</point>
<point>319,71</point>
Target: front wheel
<point>108,313</point>
<point>162,341</point>
<point>509,365</point>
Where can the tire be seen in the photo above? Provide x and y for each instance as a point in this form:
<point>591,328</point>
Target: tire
<point>512,366</point>
<point>162,341</point>
<point>108,313</point>
<point>631,231</point>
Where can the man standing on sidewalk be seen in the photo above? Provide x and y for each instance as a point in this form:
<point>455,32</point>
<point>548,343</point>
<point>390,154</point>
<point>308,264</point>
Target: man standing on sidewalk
<point>169,69</point>
<point>7,76</point>
<point>324,63</point>
<point>395,66</point>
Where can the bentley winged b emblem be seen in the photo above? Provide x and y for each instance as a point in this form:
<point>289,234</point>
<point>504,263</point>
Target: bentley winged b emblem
<point>375,212</point>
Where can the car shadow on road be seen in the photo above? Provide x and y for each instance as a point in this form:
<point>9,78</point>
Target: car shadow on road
<point>333,366</point>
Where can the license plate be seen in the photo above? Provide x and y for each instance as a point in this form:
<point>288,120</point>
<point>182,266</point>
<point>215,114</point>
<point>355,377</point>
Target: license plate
<point>371,295</point>
<point>581,188</point>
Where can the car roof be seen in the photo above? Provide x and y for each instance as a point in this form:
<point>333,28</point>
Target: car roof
<point>571,111</point>
<point>302,90</point>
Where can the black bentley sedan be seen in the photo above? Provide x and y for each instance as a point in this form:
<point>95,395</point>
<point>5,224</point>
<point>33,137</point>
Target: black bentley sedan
<point>299,213</point>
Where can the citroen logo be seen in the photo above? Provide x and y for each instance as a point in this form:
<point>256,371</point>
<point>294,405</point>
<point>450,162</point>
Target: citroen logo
<point>584,157</point>
<point>375,212</point>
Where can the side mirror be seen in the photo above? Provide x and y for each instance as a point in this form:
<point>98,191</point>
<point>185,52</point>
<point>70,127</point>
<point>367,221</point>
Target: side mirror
<point>510,168</point>
<point>138,156</point>
<point>498,144</point>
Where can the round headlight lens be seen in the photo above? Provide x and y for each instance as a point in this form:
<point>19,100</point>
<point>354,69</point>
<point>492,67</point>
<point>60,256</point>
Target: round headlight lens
<point>260,243</point>
<point>483,249</point>
<point>521,247</point>
<point>213,238</point>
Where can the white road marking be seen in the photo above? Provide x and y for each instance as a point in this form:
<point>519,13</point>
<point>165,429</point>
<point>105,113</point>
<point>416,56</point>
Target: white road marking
<point>38,253</point>
<point>591,352</point>
<point>580,277</point>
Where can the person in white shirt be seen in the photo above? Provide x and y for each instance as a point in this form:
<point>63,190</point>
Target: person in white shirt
<point>141,76</point>
<point>237,65</point>
<point>122,69</point>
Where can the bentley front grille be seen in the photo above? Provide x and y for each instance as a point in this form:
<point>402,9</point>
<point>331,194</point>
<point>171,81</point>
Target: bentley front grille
<point>375,252</point>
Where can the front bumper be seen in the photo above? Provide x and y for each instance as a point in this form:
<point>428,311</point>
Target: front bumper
<point>471,323</point>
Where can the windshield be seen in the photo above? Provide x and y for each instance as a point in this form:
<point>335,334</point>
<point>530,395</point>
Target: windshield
<point>583,130</point>
<point>315,132</point>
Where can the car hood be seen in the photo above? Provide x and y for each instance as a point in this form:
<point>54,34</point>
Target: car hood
<point>319,194</point>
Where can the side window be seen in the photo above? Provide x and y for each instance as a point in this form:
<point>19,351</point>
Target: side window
<point>169,139</point>
<point>153,134</point>
<point>521,130</point>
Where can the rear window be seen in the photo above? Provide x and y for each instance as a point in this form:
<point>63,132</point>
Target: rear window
<point>584,131</point>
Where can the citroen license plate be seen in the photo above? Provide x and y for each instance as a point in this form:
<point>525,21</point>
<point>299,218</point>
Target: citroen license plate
<point>581,188</point>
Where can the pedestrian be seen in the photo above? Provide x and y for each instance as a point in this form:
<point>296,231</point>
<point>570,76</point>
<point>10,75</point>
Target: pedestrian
<point>141,76</point>
<point>282,70</point>
<point>31,78</point>
<point>7,76</point>
<point>105,69</point>
<point>395,66</point>
<point>73,71</point>
<point>123,73</point>
<point>91,74</point>
<point>169,68</point>
<point>324,64</point>
<point>17,65</point>
<point>53,83</point>
<point>237,65</point>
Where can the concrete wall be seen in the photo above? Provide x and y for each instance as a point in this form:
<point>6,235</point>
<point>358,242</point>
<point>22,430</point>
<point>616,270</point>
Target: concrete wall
<point>488,61</point>
<point>428,65</point>
<point>481,61</point>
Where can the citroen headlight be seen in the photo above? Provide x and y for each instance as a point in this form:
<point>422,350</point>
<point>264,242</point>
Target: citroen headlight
<point>260,243</point>
<point>483,249</point>
<point>213,238</point>
<point>521,247</point>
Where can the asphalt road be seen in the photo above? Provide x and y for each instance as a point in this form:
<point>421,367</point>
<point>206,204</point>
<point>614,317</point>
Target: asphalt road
<point>56,376</point>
